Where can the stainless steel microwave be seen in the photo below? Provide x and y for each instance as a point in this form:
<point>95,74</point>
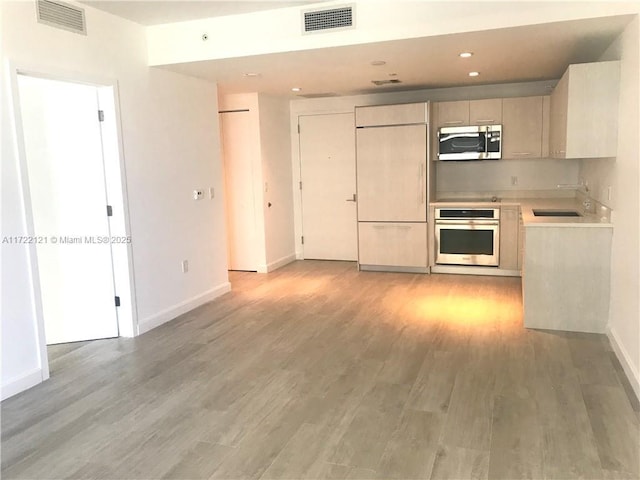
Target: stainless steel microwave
<point>470,143</point>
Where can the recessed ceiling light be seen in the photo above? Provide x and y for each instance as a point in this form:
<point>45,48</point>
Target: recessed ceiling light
<point>251,74</point>
<point>296,89</point>
<point>378,63</point>
<point>466,54</point>
<point>474,74</point>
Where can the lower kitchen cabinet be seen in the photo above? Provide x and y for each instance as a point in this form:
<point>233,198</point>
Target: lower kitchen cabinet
<point>566,278</point>
<point>509,233</point>
<point>393,246</point>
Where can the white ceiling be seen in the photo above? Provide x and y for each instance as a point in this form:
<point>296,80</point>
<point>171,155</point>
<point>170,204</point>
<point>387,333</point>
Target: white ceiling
<point>538,52</point>
<point>156,12</point>
<point>529,53</point>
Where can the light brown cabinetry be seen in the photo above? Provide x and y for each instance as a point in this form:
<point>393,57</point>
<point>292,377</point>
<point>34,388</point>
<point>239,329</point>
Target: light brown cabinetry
<point>402,114</point>
<point>485,112</point>
<point>392,182</point>
<point>509,233</point>
<point>391,173</point>
<point>393,244</point>
<point>469,112</point>
<point>558,119</point>
<point>584,111</point>
<point>452,114</point>
<point>523,127</point>
<point>546,124</point>
<point>567,278</point>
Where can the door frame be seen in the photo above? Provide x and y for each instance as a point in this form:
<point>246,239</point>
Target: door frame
<point>123,267</point>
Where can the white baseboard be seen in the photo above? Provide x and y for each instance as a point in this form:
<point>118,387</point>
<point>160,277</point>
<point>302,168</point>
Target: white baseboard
<point>22,383</point>
<point>625,360</point>
<point>183,307</point>
<point>270,267</point>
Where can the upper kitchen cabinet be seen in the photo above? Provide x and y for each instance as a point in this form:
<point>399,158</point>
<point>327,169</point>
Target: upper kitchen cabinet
<point>523,127</point>
<point>465,112</point>
<point>402,114</point>
<point>485,112</point>
<point>584,111</point>
<point>452,114</point>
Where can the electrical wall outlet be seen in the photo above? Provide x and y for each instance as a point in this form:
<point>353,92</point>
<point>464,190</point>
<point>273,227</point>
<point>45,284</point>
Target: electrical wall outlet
<point>212,193</point>
<point>198,194</point>
<point>185,266</point>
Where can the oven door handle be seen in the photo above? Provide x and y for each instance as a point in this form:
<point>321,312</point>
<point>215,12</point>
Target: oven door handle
<point>463,223</point>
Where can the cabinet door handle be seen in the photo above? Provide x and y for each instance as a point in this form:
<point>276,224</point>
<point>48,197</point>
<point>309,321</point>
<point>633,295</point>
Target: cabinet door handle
<point>454,122</point>
<point>486,120</point>
<point>522,154</point>
<point>421,183</point>
<point>398,227</point>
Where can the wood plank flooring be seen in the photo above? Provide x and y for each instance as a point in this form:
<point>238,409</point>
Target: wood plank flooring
<point>320,371</point>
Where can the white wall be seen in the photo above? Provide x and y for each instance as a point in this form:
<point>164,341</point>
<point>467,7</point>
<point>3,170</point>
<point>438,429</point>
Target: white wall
<point>272,175</point>
<point>170,139</point>
<point>275,140</point>
<point>533,175</point>
<point>623,174</point>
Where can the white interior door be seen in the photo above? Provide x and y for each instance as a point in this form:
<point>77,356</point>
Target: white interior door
<point>239,152</point>
<point>63,147</point>
<point>328,174</point>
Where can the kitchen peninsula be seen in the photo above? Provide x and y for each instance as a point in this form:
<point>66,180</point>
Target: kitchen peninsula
<point>564,260</point>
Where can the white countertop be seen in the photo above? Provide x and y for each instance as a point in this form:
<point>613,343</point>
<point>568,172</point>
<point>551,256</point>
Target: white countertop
<point>600,218</point>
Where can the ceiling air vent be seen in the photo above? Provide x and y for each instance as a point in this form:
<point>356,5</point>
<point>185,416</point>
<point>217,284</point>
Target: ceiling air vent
<point>61,15</point>
<point>332,19</point>
<point>379,83</point>
<point>319,95</point>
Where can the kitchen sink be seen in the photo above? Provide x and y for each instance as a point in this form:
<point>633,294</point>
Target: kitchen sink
<point>555,213</point>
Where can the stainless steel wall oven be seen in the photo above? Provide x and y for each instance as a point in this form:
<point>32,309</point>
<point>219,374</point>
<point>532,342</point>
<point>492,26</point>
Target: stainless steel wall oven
<point>467,236</point>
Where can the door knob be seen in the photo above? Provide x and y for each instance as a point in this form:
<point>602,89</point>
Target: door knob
<point>352,199</point>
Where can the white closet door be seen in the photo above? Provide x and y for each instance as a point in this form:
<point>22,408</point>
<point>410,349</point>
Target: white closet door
<point>239,154</point>
<point>63,147</point>
<point>392,173</point>
<point>328,174</point>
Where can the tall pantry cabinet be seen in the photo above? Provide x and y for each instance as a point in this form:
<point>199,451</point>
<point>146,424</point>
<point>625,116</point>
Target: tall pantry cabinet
<point>393,185</point>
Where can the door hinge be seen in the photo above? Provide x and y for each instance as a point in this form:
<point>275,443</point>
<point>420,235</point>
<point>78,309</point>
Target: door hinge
<point>298,128</point>
<point>117,301</point>
<point>300,185</point>
<point>101,115</point>
<point>302,239</point>
<point>109,211</point>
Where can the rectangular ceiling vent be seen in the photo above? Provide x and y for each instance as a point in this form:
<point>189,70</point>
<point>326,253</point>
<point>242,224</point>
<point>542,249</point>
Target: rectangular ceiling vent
<point>379,83</point>
<point>319,95</point>
<point>332,19</point>
<point>61,15</point>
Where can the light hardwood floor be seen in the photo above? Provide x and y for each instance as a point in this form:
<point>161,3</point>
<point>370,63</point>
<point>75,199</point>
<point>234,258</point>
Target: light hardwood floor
<point>320,371</point>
